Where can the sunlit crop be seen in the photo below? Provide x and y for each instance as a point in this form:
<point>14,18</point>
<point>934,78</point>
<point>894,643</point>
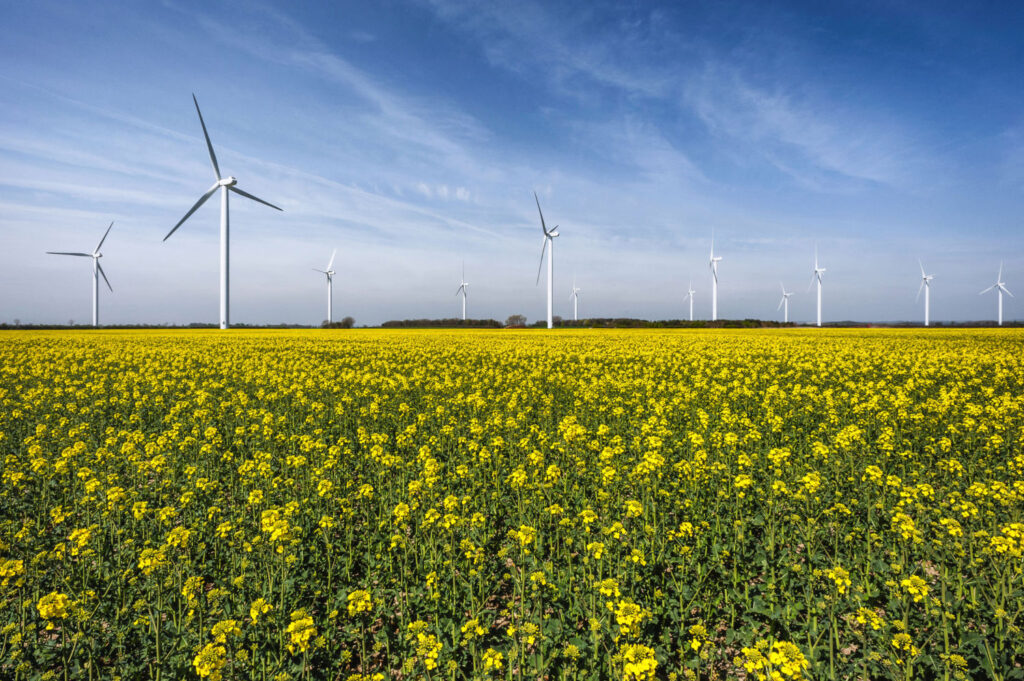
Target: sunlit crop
<point>509,504</point>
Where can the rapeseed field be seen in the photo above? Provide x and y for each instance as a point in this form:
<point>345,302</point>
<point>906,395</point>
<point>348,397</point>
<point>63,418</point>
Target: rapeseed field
<point>800,504</point>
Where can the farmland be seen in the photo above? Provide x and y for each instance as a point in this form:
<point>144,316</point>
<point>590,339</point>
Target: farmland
<point>494,504</point>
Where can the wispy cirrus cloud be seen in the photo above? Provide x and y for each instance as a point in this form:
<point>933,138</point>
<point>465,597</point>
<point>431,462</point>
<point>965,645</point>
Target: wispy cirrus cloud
<point>800,134</point>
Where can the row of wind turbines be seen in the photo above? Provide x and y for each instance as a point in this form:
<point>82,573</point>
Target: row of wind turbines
<point>226,185</point>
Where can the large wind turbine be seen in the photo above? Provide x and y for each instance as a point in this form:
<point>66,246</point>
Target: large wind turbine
<point>575,295</point>
<point>713,264</point>
<point>926,285</point>
<point>689,296</point>
<point>818,271</point>
<point>97,270</point>
<point>329,272</point>
<point>225,184</point>
<point>784,303</point>
<point>462,289</point>
<point>1000,288</point>
<point>549,238</point>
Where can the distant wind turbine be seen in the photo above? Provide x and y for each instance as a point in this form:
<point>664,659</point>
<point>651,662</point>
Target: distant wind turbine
<point>713,264</point>
<point>225,184</point>
<point>575,295</point>
<point>784,303</point>
<point>549,238</point>
<point>329,272</point>
<point>462,289</point>
<point>97,270</point>
<point>1000,288</point>
<point>689,296</point>
<point>818,271</point>
<point>926,286</point>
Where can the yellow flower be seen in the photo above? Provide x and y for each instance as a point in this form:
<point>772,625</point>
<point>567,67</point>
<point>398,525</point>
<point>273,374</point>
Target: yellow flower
<point>151,559</point>
<point>259,608</point>
<point>493,660</point>
<point>916,587</point>
<point>427,649</point>
<point>301,631</point>
<point>638,662</point>
<point>9,569</point>
<point>359,601</point>
<point>53,606</point>
<point>221,630</point>
<point>209,661</point>
<point>841,578</point>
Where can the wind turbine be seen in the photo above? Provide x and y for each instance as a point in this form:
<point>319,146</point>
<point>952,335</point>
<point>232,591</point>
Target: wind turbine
<point>549,237</point>
<point>689,296</point>
<point>818,271</point>
<point>330,285</point>
<point>926,285</point>
<point>97,270</point>
<point>784,303</point>
<point>713,264</point>
<point>1000,288</point>
<point>224,184</point>
<point>575,295</point>
<point>462,289</point>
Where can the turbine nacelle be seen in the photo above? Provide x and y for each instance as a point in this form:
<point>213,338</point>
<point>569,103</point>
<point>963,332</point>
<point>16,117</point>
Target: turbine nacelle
<point>227,181</point>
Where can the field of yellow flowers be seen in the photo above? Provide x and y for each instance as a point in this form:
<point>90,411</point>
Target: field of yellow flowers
<point>367,505</point>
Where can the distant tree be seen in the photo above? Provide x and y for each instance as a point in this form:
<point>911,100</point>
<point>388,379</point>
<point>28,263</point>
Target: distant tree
<point>17,322</point>
<point>556,320</point>
<point>348,323</point>
<point>516,320</point>
<point>71,322</point>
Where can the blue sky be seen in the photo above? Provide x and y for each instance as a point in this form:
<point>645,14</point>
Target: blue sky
<point>410,136</point>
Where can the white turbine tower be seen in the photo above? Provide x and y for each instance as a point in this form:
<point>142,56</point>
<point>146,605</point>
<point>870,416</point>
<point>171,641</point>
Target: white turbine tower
<point>97,270</point>
<point>224,184</point>
<point>575,295</point>
<point>689,296</point>
<point>329,272</point>
<point>462,289</point>
<point>1000,288</point>
<point>549,238</point>
<point>818,271</point>
<point>784,303</point>
<point>926,286</point>
<point>713,264</point>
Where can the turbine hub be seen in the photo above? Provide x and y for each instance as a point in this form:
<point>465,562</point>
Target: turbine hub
<point>228,182</point>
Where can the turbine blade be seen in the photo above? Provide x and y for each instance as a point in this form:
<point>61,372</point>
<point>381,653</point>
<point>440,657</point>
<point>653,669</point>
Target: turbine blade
<point>922,268</point>
<point>809,286</point>
<point>988,289</point>
<point>332,258</point>
<point>100,268</point>
<point>541,265</point>
<point>98,246</point>
<point>316,270</point>
<point>247,195</point>
<point>1007,291</point>
<point>919,289</point>
<point>1000,277</point>
<point>209,145</point>
<point>201,201</point>
<point>542,225</point>
<point>81,255</point>
<point>780,303</point>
